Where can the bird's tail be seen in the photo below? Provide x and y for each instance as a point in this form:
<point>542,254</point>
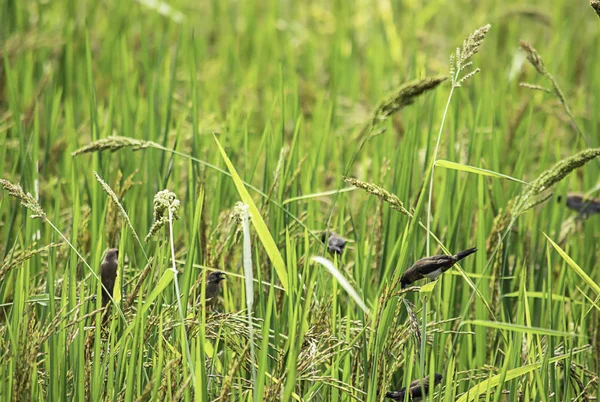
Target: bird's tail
<point>465,253</point>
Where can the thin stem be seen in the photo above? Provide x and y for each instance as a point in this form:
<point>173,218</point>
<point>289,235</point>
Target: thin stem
<point>437,145</point>
<point>178,296</point>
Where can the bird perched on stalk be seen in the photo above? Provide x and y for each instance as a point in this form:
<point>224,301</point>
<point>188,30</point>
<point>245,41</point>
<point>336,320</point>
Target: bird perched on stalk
<point>584,205</point>
<point>213,287</point>
<point>432,267</point>
<point>335,244</point>
<point>108,274</point>
<point>417,390</point>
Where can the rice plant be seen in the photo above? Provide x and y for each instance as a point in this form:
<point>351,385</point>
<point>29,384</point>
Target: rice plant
<point>219,145</point>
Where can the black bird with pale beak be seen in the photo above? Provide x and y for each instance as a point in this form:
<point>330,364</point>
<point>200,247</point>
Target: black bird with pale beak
<point>584,205</point>
<point>108,274</point>
<point>417,390</point>
<point>213,286</point>
<point>335,244</point>
<point>432,267</point>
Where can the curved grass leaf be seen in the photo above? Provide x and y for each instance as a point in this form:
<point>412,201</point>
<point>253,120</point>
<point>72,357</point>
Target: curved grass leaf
<point>341,280</point>
<point>259,224</point>
<point>517,328</point>
<point>472,169</point>
<point>575,267</point>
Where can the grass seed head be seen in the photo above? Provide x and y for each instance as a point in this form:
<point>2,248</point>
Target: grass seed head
<point>164,201</point>
<point>596,6</point>
<point>379,192</point>
<point>113,143</point>
<point>27,200</point>
<point>404,96</point>
<point>472,44</point>
<point>534,58</point>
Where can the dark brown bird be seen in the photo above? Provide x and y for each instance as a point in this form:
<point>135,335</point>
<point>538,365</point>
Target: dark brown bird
<point>335,244</point>
<point>584,205</point>
<point>432,267</point>
<point>213,286</point>
<point>417,390</point>
<point>108,274</point>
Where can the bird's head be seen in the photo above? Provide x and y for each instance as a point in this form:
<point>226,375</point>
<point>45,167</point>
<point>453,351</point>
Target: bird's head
<point>324,236</point>
<point>438,378</point>
<point>404,282</point>
<point>216,277</point>
<point>112,254</point>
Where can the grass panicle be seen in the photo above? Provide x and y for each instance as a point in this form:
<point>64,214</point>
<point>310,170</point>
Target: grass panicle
<point>404,96</point>
<point>534,58</point>
<point>461,59</point>
<point>26,199</point>
<point>552,176</point>
<point>596,6</point>
<point>380,193</point>
<point>166,205</point>
<point>114,143</point>
<point>115,200</point>
<point>538,63</point>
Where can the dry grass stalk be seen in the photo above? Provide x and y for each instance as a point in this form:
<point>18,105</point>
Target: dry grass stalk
<point>379,192</point>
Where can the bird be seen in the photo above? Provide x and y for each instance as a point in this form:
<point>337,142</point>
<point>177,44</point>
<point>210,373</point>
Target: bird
<point>417,390</point>
<point>108,274</point>
<point>584,205</point>
<point>335,244</point>
<point>213,286</point>
<point>432,267</point>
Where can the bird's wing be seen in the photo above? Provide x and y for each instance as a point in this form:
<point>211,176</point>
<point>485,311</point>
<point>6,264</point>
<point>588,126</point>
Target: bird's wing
<point>337,242</point>
<point>428,265</point>
<point>416,390</point>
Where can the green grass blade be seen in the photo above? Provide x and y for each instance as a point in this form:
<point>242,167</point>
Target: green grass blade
<point>259,224</point>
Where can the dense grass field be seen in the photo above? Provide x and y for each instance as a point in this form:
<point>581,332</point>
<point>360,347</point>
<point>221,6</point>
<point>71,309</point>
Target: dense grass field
<point>410,128</point>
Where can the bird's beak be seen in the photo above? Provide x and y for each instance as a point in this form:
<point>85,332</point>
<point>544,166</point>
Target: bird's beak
<point>222,276</point>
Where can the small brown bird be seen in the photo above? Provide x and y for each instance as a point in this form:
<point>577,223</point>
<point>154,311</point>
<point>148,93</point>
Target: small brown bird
<point>584,205</point>
<point>335,244</point>
<point>213,286</point>
<point>417,390</point>
<point>108,274</point>
<point>432,267</point>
